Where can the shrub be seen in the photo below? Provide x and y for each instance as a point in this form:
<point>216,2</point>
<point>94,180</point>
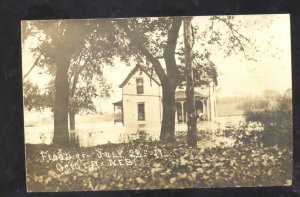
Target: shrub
<point>277,121</point>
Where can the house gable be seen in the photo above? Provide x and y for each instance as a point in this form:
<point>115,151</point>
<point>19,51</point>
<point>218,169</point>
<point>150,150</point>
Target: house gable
<point>134,70</point>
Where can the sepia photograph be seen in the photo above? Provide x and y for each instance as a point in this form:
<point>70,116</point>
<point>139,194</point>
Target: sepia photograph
<point>157,102</point>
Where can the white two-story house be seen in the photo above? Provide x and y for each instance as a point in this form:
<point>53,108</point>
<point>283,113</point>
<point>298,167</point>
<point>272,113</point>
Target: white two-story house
<point>141,104</point>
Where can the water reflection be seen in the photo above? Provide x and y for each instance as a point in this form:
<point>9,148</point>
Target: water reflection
<point>92,134</point>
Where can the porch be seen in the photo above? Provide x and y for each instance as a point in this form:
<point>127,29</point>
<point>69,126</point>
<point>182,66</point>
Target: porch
<point>200,107</point>
<point>118,112</point>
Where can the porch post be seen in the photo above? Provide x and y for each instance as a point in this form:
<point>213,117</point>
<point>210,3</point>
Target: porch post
<point>176,113</point>
<point>181,103</point>
<point>114,114</point>
<point>204,108</point>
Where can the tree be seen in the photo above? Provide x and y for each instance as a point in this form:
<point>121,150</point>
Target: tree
<point>61,42</point>
<point>82,91</point>
<point>190,99</point>
<point>58,38</point>
<point>34,98</point>
<point>86,82</point>
<point>138,32</point>
<point>84,87</point>
<point>156,39</point>
<point>156,42</point>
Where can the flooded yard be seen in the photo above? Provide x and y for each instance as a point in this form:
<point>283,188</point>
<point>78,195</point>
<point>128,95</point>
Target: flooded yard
<point>96,133</point>
<point>229,119</point>
<point>89,134</point>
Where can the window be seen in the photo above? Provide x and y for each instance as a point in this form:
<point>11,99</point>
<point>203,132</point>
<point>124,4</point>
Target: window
<point>139,86</point>
<point>141,111</point>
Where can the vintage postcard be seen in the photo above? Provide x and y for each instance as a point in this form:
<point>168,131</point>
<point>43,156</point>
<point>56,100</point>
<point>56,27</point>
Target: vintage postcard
<point>157,102</point>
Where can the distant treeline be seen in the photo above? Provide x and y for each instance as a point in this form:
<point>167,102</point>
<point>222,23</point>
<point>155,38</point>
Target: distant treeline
<point>235,106</point>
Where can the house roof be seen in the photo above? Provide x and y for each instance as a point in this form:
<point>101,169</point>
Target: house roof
<point>138,66</point>
<point>180,95</point>
<point>118,103</point>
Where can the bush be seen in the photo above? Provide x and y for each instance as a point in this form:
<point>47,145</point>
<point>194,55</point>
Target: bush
<point>277,122</point>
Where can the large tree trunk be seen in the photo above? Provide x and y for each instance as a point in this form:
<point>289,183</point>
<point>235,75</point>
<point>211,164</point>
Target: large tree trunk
<point>61,133</point>
<point>167,133</point>
<point>169,85</point>
<point>190,99</point>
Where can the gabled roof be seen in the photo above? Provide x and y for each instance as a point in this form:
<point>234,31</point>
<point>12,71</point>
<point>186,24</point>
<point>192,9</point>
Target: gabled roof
<point>138,66</point>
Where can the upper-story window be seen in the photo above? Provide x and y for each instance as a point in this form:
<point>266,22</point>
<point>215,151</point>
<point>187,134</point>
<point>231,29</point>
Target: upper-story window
<point>139,86</point>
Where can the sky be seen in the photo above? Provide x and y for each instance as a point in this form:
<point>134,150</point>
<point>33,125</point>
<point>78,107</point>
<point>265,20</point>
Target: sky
<point>237,77</point>
<point>271,71</point>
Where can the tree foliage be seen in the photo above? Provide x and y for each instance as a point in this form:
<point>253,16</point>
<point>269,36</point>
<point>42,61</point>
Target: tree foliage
<point>87,59</point>
<point>65,52</point>
<point>70,47</point>
<point>276,118</point>
<point>34,99</point>
<point>158,43</point>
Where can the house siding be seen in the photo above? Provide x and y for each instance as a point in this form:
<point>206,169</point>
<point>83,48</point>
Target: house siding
<point>151,99</point>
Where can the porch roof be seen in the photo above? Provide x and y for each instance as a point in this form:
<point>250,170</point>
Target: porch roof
<point>180,95</point>
<point>118,103</point>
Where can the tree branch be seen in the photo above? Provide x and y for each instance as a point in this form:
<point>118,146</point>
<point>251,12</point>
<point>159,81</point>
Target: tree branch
<point>136,41</point>
<point>34,64</point>
<point>230,26</point>
<point>76,75</point>
<point>237,36</point>
<point>169,52</point>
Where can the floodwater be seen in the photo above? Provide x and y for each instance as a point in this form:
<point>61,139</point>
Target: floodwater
<point>225,120</point>
<point>92,134</point>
